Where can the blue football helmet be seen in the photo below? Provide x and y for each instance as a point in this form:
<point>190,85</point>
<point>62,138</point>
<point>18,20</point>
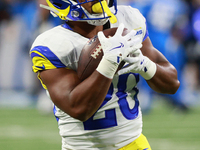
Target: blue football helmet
<point>71,10</point>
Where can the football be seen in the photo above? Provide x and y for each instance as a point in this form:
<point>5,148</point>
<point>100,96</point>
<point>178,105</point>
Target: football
<point>92,54</point>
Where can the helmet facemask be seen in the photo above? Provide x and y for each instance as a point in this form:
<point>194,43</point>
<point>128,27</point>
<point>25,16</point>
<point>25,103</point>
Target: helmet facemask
<point>70,10</point>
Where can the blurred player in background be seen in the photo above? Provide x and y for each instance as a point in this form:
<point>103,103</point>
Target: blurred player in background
<point>41,21</point>
<point>101,112</point>
<point>167,33</point>
<point>14,80</point>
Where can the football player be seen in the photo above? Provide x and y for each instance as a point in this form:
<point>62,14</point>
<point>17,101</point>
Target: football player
<point>101,112</point>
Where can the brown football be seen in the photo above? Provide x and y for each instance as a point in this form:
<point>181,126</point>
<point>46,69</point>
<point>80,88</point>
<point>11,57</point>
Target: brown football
<point>92,53</point>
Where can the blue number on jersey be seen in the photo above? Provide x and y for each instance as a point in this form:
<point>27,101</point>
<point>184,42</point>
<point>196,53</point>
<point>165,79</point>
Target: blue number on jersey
<point>123,104</point>
<point>110,116</point>
<point>110,119</point>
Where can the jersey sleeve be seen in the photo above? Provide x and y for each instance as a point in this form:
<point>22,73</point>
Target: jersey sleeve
<point>133,20</point>
<point>146,33</point>
<point>139,18</point>
<point>43,58</point>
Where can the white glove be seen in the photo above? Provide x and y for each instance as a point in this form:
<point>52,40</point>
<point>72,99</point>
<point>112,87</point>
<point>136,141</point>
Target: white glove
<point>115,49</point>
<point>139,64</point>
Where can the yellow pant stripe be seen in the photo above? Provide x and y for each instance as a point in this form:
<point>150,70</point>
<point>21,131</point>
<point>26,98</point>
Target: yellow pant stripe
<point>140,143</point>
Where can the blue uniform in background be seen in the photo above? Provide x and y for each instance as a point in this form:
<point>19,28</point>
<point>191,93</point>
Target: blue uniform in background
<point>162,16</point>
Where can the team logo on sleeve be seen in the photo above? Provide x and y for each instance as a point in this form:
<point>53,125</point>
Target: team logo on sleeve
<point>139,32</point>
<point>41,67</point>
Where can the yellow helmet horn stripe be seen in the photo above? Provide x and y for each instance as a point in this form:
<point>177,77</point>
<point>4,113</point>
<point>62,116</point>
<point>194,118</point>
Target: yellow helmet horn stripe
<point>61,13</point>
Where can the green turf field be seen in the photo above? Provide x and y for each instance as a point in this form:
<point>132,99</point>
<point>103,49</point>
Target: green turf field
<point>165,128</point>
<point>169,129</point>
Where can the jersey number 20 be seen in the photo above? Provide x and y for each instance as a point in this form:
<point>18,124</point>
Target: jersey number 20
<point>110,119</point>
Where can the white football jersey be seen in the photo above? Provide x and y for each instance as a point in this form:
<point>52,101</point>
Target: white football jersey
<point>118,121</point>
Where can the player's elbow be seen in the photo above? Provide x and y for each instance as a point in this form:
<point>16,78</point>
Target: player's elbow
<point>170,88</point>
<point>170,83</point>
<point>81,114</point>
<point>174,87</point>
<point>166,88</point>
<point>80,117</point>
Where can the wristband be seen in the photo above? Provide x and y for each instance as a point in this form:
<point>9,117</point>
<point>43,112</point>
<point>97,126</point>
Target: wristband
<point>149,69</point>
<point>107,68</point>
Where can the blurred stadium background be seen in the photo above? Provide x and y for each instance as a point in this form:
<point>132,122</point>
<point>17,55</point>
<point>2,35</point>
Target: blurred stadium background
<point>171,122</point>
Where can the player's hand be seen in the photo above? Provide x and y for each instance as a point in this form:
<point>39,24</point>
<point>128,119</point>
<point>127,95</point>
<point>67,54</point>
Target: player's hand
<point>118,47</point>
<point>138,63</point>
<point>115,49</point>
